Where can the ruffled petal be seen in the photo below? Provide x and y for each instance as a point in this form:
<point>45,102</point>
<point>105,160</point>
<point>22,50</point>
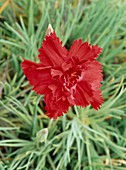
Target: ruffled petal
<point>52,53</point>
<point>93,73</point>
<point>38,76</point>
<point>87,52</point>
<point>83,95</point>
<point>74,48</point>
<point>55,108</point>
<point>97,99</point>
<point>92,54</point>
<point>84,51</point>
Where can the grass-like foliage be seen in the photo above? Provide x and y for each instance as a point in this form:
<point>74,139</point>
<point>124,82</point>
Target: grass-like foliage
<point>83,139</point>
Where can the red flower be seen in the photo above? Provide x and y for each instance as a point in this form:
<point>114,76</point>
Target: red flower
<point>66,78</point>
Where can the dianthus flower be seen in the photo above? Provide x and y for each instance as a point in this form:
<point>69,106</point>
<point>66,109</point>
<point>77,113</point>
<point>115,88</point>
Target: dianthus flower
<point>66,78</point>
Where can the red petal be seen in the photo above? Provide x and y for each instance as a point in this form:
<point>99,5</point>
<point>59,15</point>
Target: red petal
<point>93,53</point>
<point>74,48</point>
<point>39,77</point>
<point>56,73</point>
<point>83,95</point>
<point>52,53</point>
<point>92,73</point>
<point>84,51</point>
<point>97,100</point>
<point>55,108</point>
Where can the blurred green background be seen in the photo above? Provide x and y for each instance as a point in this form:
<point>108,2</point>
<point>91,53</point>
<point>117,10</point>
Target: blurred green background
<point>83,139</point>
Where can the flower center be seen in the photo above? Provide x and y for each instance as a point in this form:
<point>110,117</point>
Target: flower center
<point>71,77</point>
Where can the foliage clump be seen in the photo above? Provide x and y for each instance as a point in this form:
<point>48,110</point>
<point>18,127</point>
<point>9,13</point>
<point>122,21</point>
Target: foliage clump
<point>84,138</point>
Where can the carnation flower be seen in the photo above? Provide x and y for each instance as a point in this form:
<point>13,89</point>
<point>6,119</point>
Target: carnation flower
<point>66,78</point>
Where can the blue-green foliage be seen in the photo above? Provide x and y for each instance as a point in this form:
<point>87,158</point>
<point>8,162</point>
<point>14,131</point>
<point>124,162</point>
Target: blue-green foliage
<point>83,139</point>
